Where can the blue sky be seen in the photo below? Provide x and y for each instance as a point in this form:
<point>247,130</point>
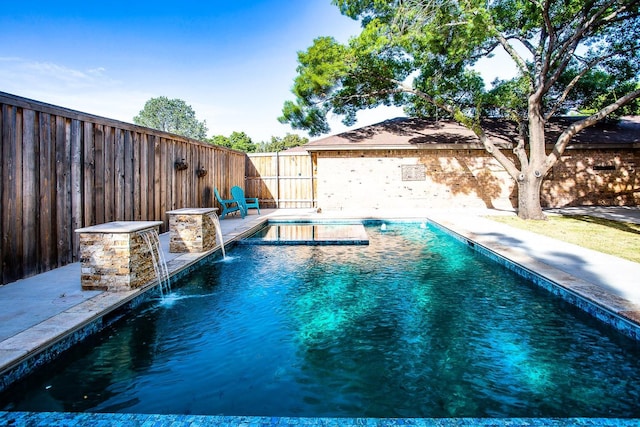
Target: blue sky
<point>233,61</point>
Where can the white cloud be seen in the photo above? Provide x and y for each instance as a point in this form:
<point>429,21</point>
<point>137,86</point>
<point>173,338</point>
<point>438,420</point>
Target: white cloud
<point>91,91</point>
<point>97,71</point>
<point>24,73</point>
<point>54,71</point>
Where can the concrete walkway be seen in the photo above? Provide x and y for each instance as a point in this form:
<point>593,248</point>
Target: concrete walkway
<point>39,310</point>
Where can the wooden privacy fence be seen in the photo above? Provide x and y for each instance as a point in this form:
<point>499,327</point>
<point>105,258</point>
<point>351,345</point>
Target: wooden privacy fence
<point>281,180</point>
<point>62,170</point>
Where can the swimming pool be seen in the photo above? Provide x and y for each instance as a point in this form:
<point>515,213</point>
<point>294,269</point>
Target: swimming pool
<point>413,325</point>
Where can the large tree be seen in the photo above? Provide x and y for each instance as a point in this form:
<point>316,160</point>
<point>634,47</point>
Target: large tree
<point>419,54</point>
<point>281,144</point>
<point>237,141</point>
<point>171,115</point>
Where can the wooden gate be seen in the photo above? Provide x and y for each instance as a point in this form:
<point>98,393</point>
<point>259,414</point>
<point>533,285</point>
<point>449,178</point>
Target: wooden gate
<point>281,180</point>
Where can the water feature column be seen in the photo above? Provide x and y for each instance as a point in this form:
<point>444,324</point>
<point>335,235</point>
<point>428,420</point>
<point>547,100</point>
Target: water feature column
<point>114,256</point>
<point>192,230</point>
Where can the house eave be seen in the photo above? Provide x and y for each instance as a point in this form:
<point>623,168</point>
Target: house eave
<point>415,147</point>
<point>475,146</point>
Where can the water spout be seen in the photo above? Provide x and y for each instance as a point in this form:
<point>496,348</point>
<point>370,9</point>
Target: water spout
<point>151,238</point>
<point>216,223</point>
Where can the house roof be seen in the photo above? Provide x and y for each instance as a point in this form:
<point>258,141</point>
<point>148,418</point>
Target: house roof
<point>413,133</point>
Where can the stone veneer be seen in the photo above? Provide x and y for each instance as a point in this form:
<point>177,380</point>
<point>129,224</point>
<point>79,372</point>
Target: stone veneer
<point>192,230</point>
<point>114,256</point>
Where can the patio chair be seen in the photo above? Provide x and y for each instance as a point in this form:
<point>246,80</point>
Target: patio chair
<point>228,205</point>
<point>245,202</point>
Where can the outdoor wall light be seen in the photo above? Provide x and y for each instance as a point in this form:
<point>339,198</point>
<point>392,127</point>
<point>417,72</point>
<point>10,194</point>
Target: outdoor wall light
<point>181,165</point>
<point>201,172</point>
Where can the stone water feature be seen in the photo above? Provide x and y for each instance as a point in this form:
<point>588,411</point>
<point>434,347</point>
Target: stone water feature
<point>119,256</point>
<point>115,257</point>
<point>192,229</point>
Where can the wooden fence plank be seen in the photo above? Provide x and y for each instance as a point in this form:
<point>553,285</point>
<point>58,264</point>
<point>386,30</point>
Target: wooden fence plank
<point>119,175</point>
<point>17,191</point>
<point>47,192</point>
<point>163,181</point>
<point>146,176</point>
<point>62,211</point>
<point>12,183</point>
<point>131,178</point>
<point>99,181</point>
<point>30,192</point>
<point>88,176</point>
<point>206,186</point>
<point>155,188</point>
<point>189,182</point>
<point>76,187</point>
<point>8,135</point>
<point>177,177</point>
<point>109,174</point>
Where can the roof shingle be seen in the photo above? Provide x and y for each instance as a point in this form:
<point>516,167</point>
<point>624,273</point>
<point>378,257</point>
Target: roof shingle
<point>403,132</point>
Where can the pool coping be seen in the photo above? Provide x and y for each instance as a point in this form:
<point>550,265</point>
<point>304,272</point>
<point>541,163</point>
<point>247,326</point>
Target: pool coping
<point>112,307</point>
<point>71,419</point>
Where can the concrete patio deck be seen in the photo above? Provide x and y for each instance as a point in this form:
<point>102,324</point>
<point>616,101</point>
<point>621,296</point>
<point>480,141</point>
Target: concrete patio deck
<point>37,311</point>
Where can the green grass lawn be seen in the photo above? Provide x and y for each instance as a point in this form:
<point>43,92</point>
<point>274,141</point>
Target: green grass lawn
<point>621,239</point>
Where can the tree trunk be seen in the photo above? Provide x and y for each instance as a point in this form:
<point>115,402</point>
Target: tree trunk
<point>529,196</point>
<point>530,178</point>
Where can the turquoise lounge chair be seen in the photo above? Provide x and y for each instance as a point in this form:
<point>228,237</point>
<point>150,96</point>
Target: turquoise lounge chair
<point>244,202</point>
<point>228,205</point>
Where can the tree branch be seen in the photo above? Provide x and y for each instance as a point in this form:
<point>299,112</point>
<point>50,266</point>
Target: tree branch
<point>570,44</point>
<point>613,16</point>
<point>526,43</point>
<point>564,139</point>
<point>519,150</point>
<point>576,79</point>
<point>485,51</point>
<point>551,33</point>
<point>459,117</point>
<point>593,23</point>
<point>520,63</point>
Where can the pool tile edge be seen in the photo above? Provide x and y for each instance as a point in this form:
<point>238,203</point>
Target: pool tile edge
<point>107,419</point>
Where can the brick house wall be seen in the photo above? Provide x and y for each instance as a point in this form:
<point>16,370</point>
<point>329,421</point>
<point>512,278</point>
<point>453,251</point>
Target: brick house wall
<point>594,176</point>
<point>468,178</point>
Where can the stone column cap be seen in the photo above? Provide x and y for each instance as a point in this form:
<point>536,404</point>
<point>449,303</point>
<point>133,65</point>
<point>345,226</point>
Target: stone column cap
<point>119,227</point>
<point>192,211</point>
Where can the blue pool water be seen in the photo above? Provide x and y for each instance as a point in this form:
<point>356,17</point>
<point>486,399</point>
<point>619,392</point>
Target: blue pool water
<point>414,325</point>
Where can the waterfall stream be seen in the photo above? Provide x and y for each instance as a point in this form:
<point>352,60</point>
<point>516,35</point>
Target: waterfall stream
<point>152,240</point>
<point>216,222</point>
